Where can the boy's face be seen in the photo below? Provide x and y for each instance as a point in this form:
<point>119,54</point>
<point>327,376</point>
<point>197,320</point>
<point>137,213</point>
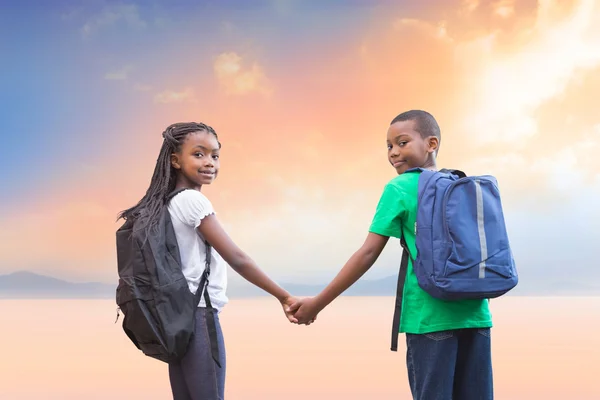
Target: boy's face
<point>407,149</point>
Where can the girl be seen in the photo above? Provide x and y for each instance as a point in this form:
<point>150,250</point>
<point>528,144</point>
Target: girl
<point>188,159</point>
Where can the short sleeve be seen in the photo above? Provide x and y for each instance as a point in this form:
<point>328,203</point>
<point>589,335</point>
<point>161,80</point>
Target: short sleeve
<point>191,206</point>
<point>390,212</point>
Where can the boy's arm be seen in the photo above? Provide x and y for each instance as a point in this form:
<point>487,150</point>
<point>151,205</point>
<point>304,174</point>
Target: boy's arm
<point>387,222</point>
<point>360,262</point>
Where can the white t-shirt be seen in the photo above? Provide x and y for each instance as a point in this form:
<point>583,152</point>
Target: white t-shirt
<point>187,209</point>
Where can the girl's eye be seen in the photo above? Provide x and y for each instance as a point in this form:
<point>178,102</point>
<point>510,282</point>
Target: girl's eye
<point>198,154</point>
<point>389,146</point>
<point>216,156</point>
<point>401,144</point>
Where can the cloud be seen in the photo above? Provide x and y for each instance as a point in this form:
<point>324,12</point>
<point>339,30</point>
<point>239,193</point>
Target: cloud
<point>237,80</point>
<point>169,96</point>
<point>468,6</point>
<point>119,75</point>
<point>516,83</point>
<point>501,88</point>
<point>519,91</point>
<point>504,8</point>
<point>435,30</point>
<point>126,13</point>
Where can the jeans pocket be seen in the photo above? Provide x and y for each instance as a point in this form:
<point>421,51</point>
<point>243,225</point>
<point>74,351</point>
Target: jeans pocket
<point>484,332</point>
<point>441,335</point>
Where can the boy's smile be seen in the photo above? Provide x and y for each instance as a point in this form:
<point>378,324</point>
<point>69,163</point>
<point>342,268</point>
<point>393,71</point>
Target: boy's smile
<point>408,149</point>
<point>397,163</point>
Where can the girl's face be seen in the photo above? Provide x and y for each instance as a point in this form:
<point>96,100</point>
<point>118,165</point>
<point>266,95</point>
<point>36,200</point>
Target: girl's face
<point>197,162</point>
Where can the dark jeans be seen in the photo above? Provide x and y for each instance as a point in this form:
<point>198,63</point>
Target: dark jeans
<point>197,376</point>
<point>450,365</point>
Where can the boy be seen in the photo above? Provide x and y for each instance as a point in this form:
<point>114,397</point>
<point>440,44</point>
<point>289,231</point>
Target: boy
<point>448,342</point>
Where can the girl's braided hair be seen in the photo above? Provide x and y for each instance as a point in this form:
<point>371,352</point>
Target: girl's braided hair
<point>164,176</point>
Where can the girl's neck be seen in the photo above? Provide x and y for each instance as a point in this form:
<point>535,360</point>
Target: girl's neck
<point>182,183</point>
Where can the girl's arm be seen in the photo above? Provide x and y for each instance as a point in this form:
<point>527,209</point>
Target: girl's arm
<point>212,230</point>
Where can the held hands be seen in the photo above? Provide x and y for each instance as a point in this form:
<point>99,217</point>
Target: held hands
<point>303,311</point>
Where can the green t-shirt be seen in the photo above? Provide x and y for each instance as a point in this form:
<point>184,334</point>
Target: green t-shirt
<point>421,313</point>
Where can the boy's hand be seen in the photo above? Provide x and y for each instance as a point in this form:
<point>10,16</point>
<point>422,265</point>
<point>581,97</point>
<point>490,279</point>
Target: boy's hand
<point>305,310</point>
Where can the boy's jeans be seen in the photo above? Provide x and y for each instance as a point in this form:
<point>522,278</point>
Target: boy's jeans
<point>450,365</point>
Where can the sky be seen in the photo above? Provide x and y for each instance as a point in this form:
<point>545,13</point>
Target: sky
<point>301,95</point>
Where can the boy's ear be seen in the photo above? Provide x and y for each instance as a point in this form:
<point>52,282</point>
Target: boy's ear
<point>433,144</point>
<point>175,161</point>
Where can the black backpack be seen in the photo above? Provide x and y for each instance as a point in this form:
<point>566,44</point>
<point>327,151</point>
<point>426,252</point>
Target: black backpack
<point>153,294</point>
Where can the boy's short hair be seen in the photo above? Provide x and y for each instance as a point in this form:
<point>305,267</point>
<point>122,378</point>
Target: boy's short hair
<point>425,123</point>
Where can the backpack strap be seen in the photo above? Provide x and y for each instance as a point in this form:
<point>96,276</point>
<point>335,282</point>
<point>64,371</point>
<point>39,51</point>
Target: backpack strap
<point>456,172</point>
<point>204,278</point>
<point>203,291</point>
<point>399,294</point>
<point>210,311</point>
<point>174,193</point>
<point>427,175</point>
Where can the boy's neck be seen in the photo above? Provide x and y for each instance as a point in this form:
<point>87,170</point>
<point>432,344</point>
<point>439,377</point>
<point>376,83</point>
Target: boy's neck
<point>430,164</point>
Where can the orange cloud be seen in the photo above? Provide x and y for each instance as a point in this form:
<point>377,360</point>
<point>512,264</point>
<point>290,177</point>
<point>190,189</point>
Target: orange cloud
<point>504,8</point>
<point>237,80</point>
<point>468,6</point>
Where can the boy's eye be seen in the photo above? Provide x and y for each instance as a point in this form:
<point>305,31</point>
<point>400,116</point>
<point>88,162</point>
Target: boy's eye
<point>401,144</point>
<point>389,146</point>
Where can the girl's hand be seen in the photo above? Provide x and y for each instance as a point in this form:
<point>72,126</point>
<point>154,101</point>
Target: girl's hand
<point>290,304</point>
<point>286,303</point>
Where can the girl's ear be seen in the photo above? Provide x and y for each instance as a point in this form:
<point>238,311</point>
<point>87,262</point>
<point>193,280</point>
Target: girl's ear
<point>175,161</point>
<point>433,144</point>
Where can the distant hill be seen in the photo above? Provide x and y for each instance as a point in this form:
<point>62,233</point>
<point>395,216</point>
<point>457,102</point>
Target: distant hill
<point>25,284</point>
<point>566,287</point>
<point>387,287</point>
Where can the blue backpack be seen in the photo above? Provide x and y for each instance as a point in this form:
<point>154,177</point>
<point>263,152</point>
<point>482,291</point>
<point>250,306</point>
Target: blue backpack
<point>463,251</point>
